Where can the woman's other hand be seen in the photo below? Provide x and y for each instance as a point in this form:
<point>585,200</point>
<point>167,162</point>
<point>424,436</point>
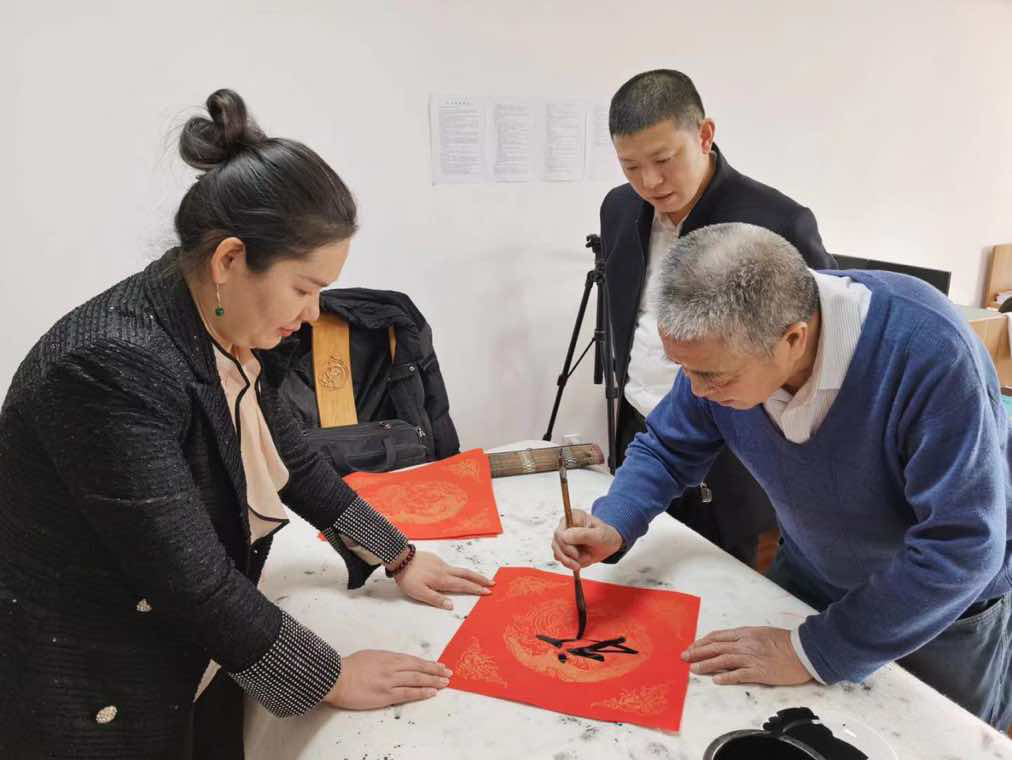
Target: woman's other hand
<point>427,578</point>
<point>374,678</point>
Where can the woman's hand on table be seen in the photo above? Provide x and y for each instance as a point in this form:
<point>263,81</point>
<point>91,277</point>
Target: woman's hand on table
<point>427,578</point>
<point>373,678</point>
<point>748,655</point>
<point>590,540</point>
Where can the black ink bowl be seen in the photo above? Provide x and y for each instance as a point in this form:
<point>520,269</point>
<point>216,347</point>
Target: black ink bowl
<point>791,734</point>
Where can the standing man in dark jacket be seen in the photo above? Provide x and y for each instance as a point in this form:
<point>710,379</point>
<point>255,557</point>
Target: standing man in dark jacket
<point>679,182</point>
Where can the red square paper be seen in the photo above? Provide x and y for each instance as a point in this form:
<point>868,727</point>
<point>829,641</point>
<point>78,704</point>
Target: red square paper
<point>496,651</point>
<point>451,498</point>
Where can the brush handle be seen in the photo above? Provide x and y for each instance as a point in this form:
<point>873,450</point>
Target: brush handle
<point>581,603</point>
<point>568,508</point>
<point>564,482</point>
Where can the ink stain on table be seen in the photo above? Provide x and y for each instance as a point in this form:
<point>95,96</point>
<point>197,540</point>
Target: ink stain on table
<point>655,749</point>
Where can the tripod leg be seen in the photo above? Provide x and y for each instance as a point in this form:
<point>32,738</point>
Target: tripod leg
<point>569,353</point>
<point>599,321</point>
<point>608,367</point>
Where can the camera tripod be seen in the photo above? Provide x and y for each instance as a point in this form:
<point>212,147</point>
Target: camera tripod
<point>604,362</point>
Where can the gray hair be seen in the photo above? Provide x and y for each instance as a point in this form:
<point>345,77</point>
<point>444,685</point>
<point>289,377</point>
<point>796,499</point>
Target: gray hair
<point>738,282</point>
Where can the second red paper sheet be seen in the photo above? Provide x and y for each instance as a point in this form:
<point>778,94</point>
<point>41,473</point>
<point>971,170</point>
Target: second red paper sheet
<point>451,498</point>
<point>518,644</point>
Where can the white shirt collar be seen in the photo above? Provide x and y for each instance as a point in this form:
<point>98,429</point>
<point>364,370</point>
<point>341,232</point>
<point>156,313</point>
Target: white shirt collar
<point>842,309</point>
<point>666,224</point>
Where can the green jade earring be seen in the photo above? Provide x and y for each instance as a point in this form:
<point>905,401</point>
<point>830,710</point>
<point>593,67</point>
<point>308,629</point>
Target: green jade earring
<point>219,309</point>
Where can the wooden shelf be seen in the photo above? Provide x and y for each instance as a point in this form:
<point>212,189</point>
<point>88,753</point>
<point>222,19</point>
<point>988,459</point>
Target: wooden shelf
<point>999,276</point>
<point>992,329</point>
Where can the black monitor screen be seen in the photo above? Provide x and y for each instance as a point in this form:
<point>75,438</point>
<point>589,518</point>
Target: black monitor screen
<point>937,277</point>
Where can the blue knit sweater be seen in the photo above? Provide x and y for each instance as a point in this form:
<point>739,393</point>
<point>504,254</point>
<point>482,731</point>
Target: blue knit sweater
<point>897,508</point>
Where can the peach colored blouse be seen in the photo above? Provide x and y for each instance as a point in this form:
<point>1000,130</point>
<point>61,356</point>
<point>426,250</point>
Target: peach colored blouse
<point>266,474</point>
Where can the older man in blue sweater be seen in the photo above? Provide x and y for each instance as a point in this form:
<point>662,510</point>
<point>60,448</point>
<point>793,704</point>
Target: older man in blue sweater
<point>872,417</point>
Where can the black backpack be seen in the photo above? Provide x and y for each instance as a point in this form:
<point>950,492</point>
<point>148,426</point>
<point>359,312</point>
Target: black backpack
<point>402,406</point>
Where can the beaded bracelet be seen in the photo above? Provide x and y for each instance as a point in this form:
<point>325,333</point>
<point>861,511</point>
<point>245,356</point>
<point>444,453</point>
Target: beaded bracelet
<point>403,563</point>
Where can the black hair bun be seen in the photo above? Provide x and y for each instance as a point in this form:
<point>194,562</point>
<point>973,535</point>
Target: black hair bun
<point>207,143</point>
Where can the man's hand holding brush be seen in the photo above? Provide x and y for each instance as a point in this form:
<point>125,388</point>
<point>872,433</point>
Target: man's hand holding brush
<point>590,540</point>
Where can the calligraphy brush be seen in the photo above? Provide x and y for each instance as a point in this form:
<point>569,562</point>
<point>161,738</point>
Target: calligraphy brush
<point>581,603</point>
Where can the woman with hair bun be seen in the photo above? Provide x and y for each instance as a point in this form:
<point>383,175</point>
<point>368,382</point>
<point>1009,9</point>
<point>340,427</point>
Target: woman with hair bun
<point>145,457</point>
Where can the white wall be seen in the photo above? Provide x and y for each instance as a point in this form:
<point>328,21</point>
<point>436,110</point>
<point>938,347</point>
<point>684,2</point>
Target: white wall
<point>892,120</point>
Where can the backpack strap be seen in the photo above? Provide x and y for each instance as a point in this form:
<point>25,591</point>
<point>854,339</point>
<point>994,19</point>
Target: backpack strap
<point>335,393</point>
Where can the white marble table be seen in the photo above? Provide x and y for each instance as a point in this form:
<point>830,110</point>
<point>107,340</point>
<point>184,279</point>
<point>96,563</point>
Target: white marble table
<point>307,579</point>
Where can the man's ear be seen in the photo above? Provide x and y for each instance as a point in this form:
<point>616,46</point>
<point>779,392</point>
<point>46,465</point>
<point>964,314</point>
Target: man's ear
<point>228,257</point>
<point>796,335</point>
<point>707,133</point>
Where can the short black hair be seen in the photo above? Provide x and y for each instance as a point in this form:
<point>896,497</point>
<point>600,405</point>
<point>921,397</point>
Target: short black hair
<point>650,98</point>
